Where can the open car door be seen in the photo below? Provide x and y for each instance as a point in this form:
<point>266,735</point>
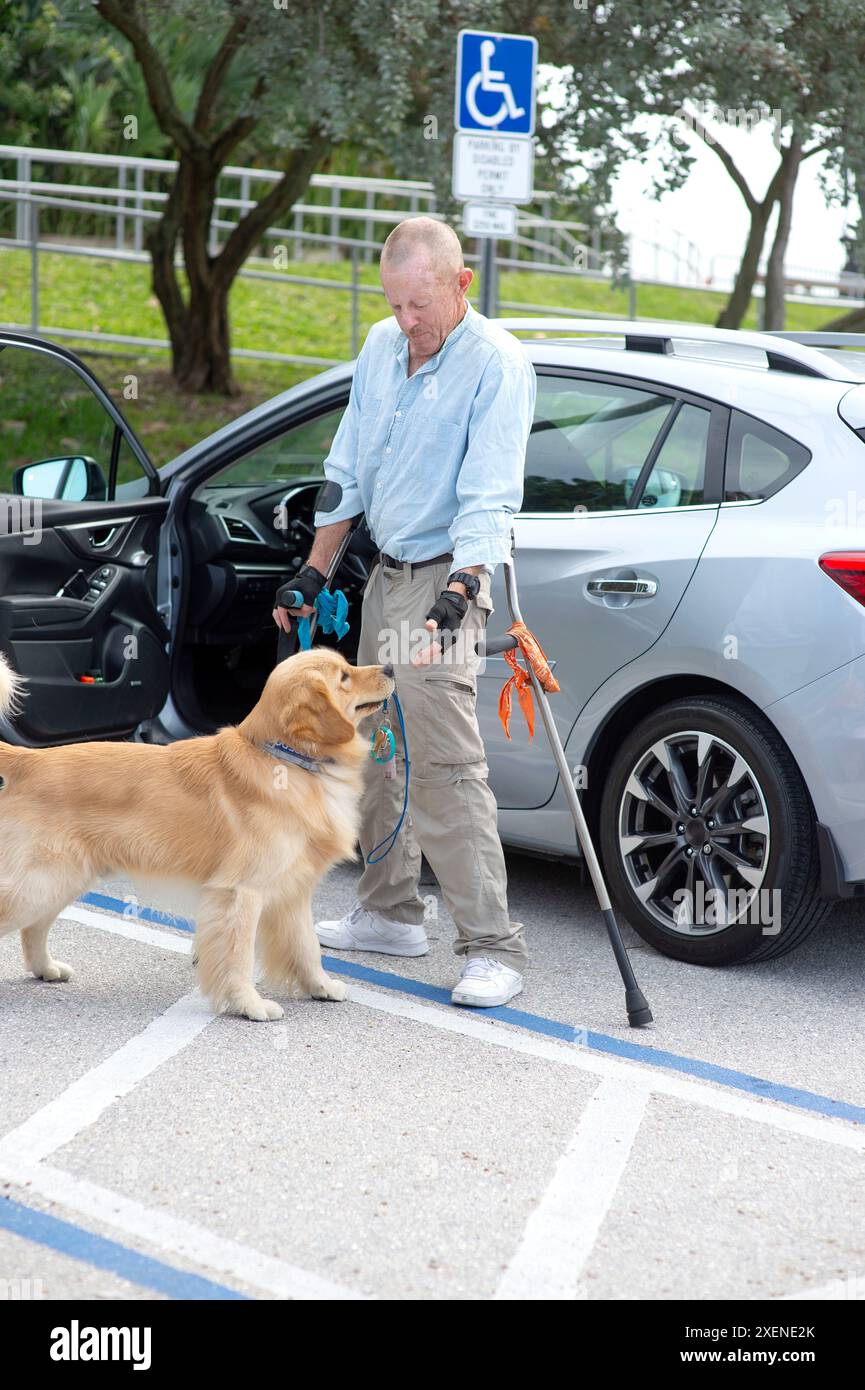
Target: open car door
<point>80,516</point>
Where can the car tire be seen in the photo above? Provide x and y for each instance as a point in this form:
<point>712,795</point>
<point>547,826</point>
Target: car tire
<point>764,876</point>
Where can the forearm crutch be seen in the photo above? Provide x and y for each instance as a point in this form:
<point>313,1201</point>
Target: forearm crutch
<point>328,497</point>
<point>636,1004</point>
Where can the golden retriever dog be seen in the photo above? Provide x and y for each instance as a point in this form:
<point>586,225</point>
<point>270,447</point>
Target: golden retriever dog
<point>252,817</point>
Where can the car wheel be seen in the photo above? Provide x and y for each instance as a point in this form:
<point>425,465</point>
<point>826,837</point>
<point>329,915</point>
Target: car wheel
<point>708,835</point>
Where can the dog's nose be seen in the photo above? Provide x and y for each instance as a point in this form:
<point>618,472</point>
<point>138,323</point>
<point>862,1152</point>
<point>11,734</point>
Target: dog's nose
<point>387,670</point>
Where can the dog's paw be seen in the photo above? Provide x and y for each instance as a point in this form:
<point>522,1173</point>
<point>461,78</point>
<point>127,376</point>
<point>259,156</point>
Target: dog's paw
<point>330,989</point>
<point>260,1010</point>
<point>55,970</point>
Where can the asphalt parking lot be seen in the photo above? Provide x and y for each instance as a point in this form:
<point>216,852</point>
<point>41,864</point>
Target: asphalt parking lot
<point>395,1147</point>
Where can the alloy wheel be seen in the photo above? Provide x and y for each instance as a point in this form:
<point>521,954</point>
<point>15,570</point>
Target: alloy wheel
<point>694,833</point>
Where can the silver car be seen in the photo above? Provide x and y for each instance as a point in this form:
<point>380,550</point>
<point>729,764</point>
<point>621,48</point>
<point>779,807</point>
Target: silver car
<point>690,554</point>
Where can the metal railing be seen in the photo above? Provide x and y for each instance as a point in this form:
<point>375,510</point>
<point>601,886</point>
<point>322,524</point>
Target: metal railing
<point>351,248</point>
<point>385,201</point>
<point>553,247</point>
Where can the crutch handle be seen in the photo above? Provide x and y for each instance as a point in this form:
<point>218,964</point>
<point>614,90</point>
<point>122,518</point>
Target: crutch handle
<point>287,642</point>
<point>494,645</point>
<point>294,599</point>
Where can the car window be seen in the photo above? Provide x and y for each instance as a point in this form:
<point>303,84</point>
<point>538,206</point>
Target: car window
<point>56,435</point>
<point>131,480</point>
<point>760,459</point>
<point>678,475</point>
<point>298,453</point>
<point>588,443</point>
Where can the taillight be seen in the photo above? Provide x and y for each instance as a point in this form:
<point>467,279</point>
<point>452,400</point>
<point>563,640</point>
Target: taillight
<point>847,568</point>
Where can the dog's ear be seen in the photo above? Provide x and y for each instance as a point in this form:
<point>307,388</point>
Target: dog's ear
<point>310,716</point>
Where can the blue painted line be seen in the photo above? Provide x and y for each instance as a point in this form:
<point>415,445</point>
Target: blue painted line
<point>794,1096</point>
<point>91,1249</point>
<point>145,914</point>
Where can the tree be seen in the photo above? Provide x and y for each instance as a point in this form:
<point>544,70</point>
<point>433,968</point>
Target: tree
<point>33,99</point>
<point>286,84</point>
<point>578,179</point>
<point>306,77</point>
<point>797,64</point>
<point>854,243</point>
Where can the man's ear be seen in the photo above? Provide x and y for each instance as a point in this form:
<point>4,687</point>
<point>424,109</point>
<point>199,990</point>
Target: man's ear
<point>310,716</point>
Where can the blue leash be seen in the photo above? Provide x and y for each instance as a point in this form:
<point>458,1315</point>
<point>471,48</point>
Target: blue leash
<point>392,754</point>
<point>332,612</point>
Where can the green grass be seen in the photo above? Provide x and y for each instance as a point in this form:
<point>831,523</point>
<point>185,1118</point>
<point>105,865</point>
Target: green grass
<point>116,297</point>
<point>652,301</point>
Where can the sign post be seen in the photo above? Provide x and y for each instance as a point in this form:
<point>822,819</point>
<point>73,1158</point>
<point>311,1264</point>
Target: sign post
<point>494,121</point>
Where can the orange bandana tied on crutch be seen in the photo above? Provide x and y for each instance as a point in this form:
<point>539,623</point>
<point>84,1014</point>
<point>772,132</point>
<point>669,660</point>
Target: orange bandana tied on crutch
<point>528,644</point>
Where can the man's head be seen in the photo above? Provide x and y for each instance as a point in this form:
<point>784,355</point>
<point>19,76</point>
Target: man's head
<point>424,281</point>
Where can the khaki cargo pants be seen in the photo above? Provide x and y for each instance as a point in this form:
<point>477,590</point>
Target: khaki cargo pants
<point>452,812</point>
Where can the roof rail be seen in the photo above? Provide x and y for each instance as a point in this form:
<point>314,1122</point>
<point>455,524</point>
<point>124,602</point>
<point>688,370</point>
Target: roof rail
<point>823,338</point>
<point>795,355</point>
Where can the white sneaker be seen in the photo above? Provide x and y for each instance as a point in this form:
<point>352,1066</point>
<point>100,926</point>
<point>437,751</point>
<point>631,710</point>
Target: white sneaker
<point>485,983</point>
<point>364,930</point>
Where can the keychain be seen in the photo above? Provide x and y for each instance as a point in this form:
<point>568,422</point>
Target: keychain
<point>383,747</point>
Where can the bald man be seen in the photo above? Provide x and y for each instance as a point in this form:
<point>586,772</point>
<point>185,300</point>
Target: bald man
<point>432,449</point>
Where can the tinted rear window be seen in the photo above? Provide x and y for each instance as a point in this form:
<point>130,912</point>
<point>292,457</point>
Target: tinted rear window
<point>760,460</point>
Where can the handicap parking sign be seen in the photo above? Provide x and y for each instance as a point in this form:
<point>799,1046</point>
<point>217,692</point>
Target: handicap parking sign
<point>495,91</point>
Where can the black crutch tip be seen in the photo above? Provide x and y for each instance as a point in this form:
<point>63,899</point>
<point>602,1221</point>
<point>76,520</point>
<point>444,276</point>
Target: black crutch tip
<point>639,1013</point>
<point>640,1018</point>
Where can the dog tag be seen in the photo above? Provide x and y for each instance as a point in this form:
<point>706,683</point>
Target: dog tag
<point>390,770</point>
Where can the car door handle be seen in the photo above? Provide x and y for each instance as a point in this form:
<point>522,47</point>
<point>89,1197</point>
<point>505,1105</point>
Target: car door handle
<point>101,537</point>
<point>640,588</point>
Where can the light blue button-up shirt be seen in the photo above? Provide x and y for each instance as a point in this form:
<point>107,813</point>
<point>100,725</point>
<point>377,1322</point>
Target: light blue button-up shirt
<point>436,460</point>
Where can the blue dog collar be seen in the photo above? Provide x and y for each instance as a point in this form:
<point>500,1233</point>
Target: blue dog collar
<point>285,754</point>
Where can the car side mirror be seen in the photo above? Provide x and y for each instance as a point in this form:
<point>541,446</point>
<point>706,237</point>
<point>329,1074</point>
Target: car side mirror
<point>68,479</point>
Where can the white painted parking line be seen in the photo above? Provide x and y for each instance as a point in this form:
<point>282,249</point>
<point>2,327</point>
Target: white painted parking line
<point>129,928</point>
<point>82,1103</point>
<point>561,1232</point>
<point>765,1112</point>
<point>172,1234</point>
<point>24,1149</point>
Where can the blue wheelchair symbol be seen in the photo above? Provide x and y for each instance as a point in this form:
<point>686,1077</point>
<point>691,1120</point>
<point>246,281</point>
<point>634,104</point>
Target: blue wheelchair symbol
<point>496,83</point>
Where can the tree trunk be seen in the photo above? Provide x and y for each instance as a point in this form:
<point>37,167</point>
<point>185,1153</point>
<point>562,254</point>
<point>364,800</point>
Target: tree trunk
<point>773,305</point>
<point>736,308</point>
<point>161,241</point>
<point>204,353</point>
<point>198,327</point>
<point>205,360</point>
<point>853,322</point>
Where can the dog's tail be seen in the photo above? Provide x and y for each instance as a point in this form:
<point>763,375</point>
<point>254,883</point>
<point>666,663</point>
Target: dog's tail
<point>10,689</point>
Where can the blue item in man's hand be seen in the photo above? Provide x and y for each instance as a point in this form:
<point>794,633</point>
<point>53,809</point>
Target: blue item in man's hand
<point>332,612</point>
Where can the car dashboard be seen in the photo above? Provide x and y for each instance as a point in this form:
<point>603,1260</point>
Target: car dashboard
<point>247,540</point>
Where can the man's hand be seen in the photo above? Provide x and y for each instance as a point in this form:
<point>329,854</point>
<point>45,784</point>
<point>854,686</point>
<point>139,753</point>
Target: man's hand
<point>309,582</point>
<point>445,617</point>
<point>448,611</point>
<point>454,591</point>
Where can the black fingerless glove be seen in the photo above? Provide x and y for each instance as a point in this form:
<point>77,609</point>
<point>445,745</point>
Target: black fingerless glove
<point>448,611</point>
<point>308,581</point>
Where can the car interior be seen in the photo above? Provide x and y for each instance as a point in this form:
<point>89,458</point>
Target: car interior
<point>248,530</point>
<point>591,439</point>
<point>82,522</point>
